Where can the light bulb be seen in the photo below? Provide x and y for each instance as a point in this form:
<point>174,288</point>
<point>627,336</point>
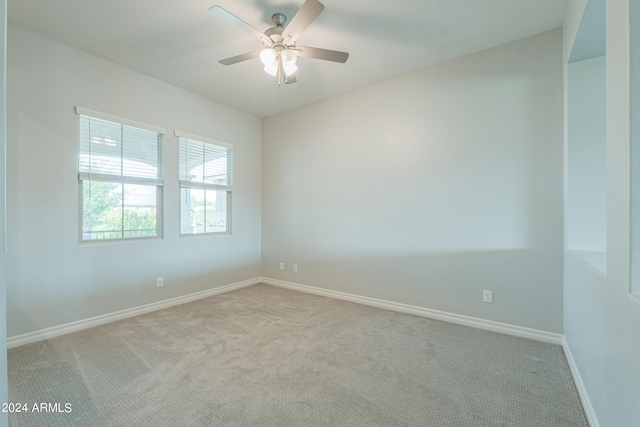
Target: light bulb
<point>268,56</point>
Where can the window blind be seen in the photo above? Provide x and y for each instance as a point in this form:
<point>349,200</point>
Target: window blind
<point>204,163</point>
<point>110,149</point>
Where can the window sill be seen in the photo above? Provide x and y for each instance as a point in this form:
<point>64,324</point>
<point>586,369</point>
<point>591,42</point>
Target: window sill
<point>597,260</point>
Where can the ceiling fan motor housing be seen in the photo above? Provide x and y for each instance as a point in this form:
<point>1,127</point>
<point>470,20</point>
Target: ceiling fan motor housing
<point>275,33</point>
<point>278,19</point>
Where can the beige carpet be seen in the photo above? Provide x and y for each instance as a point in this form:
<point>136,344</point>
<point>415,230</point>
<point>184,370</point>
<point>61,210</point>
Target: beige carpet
<point>267,356</point>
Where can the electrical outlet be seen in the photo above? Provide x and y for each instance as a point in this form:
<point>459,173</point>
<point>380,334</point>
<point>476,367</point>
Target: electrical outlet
<point>160,282</point>
<point>487,296</point>
<point>295,268</point>
<point>282,266</point>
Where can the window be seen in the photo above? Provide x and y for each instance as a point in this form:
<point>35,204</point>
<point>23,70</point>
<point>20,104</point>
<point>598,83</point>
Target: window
<point>205,185</point>
<point>121,177</point>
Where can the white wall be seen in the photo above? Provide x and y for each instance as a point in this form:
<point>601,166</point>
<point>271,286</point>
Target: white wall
<point>3,279</point>
<point>51,278</point>
<point>635,143</point>
<point>601,317</point>
<point>428,188</point>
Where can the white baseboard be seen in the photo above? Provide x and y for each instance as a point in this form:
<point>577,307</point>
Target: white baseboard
<point>43,334</point>
<point>459,319</point>
<point>582,390</point>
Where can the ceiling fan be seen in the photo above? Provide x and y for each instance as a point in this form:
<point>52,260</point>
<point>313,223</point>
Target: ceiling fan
<point>281,52</point>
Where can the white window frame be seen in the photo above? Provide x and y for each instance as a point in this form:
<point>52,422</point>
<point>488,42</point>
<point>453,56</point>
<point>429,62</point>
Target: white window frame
<point>121,179</point>
<point>634,47</point>
<point>188,184</point>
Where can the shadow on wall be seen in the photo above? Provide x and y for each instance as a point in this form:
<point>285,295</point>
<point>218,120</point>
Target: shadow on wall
<point>31,308</point>
<point>526,283</point>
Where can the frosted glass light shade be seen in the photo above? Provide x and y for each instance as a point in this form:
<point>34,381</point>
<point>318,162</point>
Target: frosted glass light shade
<point>288,57</point>
<point>268,56</point>
<point>272,68</point>
<point>289,68</point>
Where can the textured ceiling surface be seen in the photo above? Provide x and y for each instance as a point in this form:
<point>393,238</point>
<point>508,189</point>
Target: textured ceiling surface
<point>180,42</point>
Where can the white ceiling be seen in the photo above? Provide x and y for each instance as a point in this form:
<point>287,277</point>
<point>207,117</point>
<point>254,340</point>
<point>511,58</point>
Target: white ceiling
<point>180,42</point>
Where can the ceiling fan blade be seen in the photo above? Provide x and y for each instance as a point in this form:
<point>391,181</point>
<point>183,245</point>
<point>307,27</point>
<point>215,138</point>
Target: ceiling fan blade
<point>290,79</point>
<point>324,54</point>
<point>302,19</point>
<point>240,58</point>
<point>239,23</point>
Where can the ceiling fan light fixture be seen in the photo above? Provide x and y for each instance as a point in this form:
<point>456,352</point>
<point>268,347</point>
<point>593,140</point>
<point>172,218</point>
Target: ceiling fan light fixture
<point>268,57</point>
